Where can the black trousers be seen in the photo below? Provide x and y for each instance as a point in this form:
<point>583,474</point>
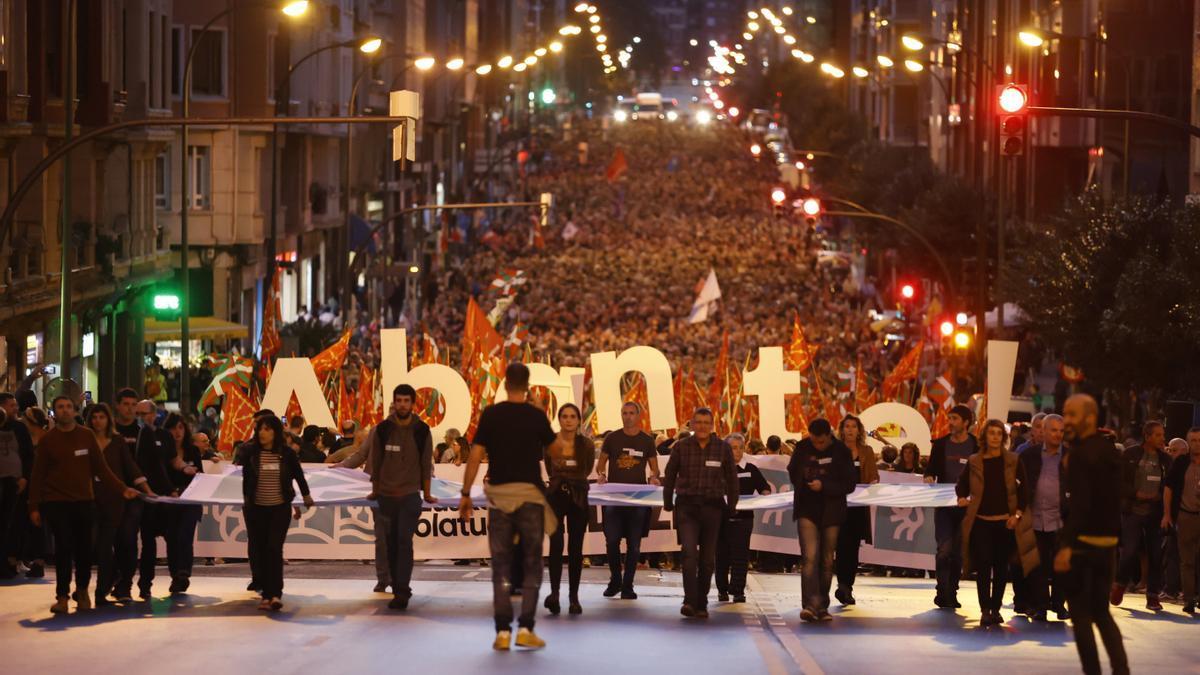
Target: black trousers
<point>125,547</point>
<point>628,523</point>
<point>698,522</point>
<point>266,530</point>
<point>733,555</point>
<point>851,534</point>
<point>8,520</point>
<point>947,530</point>
<point>1045,586</point>
<point>104,539</point>
<point>510,535</point>
<point>71,524</point>
<point>400,516</point>
<point>992,544</point>
<point>1088,585</point>
<point>1141,533</point>
<point>181,533</point>
<point>154,525</point>
<point>575,518</point>
<point>29,540</point>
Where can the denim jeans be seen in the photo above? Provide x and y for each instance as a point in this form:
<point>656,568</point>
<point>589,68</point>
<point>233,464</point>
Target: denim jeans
<point>383,573</point>
<point>1138,534</point>
<point>699,524</point>
<point>511,534</point>
<point>733,555</point>
<point>1044,585</point>
<point>181,538</point>
<point>947,530</point>
<point>628,523</point>
<point>400,516</point>
<point>817,544</point>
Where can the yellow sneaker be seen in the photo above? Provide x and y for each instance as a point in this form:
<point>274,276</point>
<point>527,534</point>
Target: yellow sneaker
<point>503,640</point>
<point>526,638</point>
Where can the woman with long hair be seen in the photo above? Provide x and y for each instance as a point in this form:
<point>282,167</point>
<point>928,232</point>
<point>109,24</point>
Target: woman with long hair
<point>269,470</point>
<point>991,490</point>
<point>182,518</point>
<point>909,460</point>
<point>116,534</point>
<point>568,496</point>
<point>857,527</point>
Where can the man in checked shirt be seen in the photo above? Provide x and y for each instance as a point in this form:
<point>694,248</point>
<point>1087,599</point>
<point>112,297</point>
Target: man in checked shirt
<point>702,472</point>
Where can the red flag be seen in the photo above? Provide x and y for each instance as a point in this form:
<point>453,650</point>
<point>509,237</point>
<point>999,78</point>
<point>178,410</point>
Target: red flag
<point>616,167</point>
<point>716,391</point>
<point>797,421</point>
<point>861,392</point>
<point>271,343</point>
<point>941,391</point>
<point>637,394</point>
<point>293,408</point>
<point>332,358</point>
<point>237,420</point>
<point>798,354</point>
<point>903,372</point>
<point>366,394</point>
<point>479,336</point>
<point>941,424</point>
<point>345,407</point>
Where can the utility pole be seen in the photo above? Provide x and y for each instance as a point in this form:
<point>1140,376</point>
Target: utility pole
<point>68,96</point>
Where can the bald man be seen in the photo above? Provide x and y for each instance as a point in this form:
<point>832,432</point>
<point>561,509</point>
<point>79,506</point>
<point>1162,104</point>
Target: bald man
<point>1089,534</point>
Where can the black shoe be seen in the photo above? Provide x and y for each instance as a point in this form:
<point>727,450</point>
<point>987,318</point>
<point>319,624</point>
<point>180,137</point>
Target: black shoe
<point>36,571</point>
<point>176,586</point>
<point>1040,615</point>
<point>824,615</point>
<point>941,602</point>
<point>687,610</point>
<point>380,587</point>
<point>739,598</point>
<point>612,590</point>
<point>551,604</point>
<point>702,613</point>
<point>398,602</point>
<point>722,597</point>
<point>102,601</point>
<point>844,596</point>
<point>1022,608</point>
<point>575,607</point>
<point>123,596</point>
<point>254,587</point>
<point>807,615</point>
<point>628,595</point>
<point>1189,608</point>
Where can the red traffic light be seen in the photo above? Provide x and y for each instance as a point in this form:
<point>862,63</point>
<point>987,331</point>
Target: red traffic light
<point>756,149</point>
<point>811,207</point>
<point>947,328</point>
<point>1013,98</point>
<point>778,195</point>
<point>907,291</point>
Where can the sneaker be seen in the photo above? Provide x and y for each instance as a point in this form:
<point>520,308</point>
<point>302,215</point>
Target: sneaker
<point>551,603</point>
<point>722,597</point>
<point>36,571</point>
<point>612,590</point>
<point>844,596</point>
<point>739,598</point>
<point>380,587</point>
<point>824,615</point>
<point>398,602</point>
<point>60,606</point>
<point>529,640</point>
<point>807,615</point>
<point>1117,594</point>
<point>687,610</point>
<point>503,640</point>
<point>1153,604</point>
<point>628,595</point>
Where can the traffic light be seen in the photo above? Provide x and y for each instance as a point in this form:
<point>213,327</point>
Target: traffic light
<point>756,150</point>
<point>1013,102</point>
<point>778,197</point>
<point>907,292</point>
<point>165,306</point>
<point>811,208</point>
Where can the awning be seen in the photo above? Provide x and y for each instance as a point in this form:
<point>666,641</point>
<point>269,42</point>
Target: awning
<point>199,328</point>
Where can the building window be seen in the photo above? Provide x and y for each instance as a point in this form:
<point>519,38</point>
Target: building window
<point>177,65</point>
<point>208,63</point>
<point>200,178</point>
<point>271,41</point>
<point>162,181</point>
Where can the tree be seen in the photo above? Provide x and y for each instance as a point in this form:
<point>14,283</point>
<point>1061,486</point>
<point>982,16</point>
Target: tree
<point>1115,290</point>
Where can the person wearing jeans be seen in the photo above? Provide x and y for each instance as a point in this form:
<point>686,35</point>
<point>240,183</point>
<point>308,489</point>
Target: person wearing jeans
<point>67,463</point>
<point>1182,500</point>
<point>947,460</point>
<point>1143,473</point>
<point>515,437</point>
<point>625,457</point>
<point>268,471</point>
<point>822,474</point>
<point>400,454</point>
<point>701,471</point>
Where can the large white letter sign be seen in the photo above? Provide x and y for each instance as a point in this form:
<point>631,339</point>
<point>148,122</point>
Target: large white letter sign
<point>906,418</point>
<point>607,369</point>
<point>296,375</point>
<point>448,383</point>
<point>771,382</point>
<point>565,386</point>
<point>1001,369</point>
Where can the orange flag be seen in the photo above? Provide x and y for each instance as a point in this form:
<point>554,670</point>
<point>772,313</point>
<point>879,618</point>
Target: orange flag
<point>366,394</point>
<point>293,408</point>
<point>861,392</point>
<point>345,407</point>
<point>798,353</point>
<point>616,167</point>
<point>271,343</point>
<point>637,394</point>
<point>903,372</point>
<point>479,336</point>
<point>941,424</point>
<point>332,358</point>
<point>797,421</point>
<point>237,420</point>
<point>716,392</point>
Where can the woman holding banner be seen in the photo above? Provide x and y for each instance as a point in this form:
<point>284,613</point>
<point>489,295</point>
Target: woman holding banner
<point>857,527</point>
<point>568,496</point>
<point>269,470</point>
<point>991,491</point>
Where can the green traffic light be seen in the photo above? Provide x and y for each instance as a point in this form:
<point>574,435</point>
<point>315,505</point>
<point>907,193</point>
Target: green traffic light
<point>163,303</point>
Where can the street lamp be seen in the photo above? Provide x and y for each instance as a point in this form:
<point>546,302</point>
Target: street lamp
<point>293,9</point>
<point>426,62</point>
<point>454,64</point>
<point>884,61</point>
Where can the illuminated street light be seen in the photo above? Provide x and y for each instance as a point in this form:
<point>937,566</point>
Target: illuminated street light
<point>504,62</point>
<point>370,45</point>
<point>961,318</point>
<point>947,328</point>
<point>556,46</point>
<point>295,9</point>
<point>454,64</point>
<point>811,207</point>
<point>962,339</point>
<point>520,67</point>
<point>914,66</point>
<point>530,60</point>
<point>778,195</point>
<point>884,61</point>
<point>424,63</point>
<point>1031,37</point>
<point>912,43</point>
<point>1013,99</point>
<point>859,72</point>
<point>755,149</point>
<point>484,69</point>
<point>539,52</point>
<point>832,70</point>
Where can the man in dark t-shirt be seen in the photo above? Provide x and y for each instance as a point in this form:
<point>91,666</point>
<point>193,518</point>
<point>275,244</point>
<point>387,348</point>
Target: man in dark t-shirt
<point>516,436</point>
<point>947,460</point>
<point>624,458</point>
<point>124,420</point>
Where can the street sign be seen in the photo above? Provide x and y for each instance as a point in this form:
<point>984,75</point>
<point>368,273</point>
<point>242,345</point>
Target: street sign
<point>406,104</point>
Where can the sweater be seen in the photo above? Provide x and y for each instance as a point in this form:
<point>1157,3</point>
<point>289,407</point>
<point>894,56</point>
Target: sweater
<point>64,466</point>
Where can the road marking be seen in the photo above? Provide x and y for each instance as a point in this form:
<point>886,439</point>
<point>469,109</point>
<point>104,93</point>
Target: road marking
<point>317,641</point>
<point>786,637</point>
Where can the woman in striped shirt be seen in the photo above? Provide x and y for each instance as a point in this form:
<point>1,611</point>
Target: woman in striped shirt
<point>269,469</point>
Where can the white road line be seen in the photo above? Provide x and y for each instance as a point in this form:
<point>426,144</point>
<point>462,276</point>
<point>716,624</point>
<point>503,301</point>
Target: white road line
<point>786,637</point>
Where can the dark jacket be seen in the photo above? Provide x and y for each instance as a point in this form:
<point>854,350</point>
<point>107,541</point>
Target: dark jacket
<point>154,452</point>
<point>1031,462</point>
<point>936,466</point>
<point>1175,479</point>
<point>750,482</point>
<point>24,445</point>
<point>835,469</point>
<point>289,471</point>
<point>191,457</point>
<point>1129,468</point>
<point>1093,480</point>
